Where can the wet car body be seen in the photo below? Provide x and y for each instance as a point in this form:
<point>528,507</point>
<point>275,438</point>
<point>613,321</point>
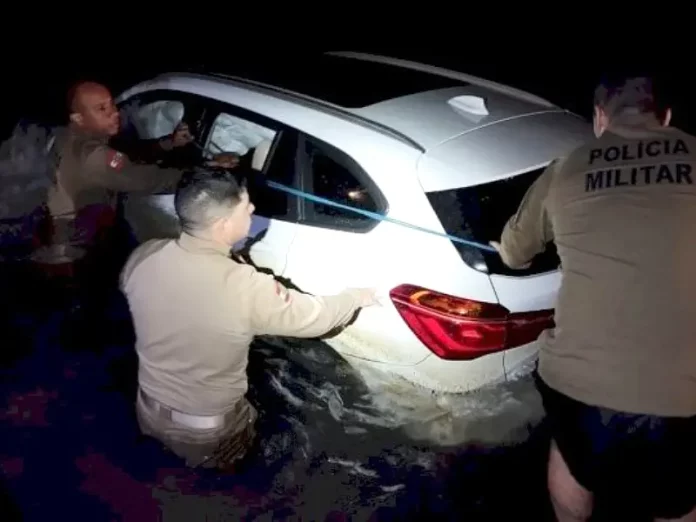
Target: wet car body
<point>434,148</point>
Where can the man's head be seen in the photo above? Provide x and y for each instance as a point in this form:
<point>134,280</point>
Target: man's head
<point>627,95</point>
<point>92,108</point>
<point>214,204</point>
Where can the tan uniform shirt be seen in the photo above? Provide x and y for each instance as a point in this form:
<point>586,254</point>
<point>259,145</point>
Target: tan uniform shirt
<point>196,311</point>
<point>89,175</point>
<point>622,212</point>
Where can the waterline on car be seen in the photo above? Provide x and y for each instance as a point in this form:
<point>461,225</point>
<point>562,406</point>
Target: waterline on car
<point>311,379</point>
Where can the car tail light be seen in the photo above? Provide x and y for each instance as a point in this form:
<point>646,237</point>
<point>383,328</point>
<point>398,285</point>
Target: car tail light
<point>461,329</point>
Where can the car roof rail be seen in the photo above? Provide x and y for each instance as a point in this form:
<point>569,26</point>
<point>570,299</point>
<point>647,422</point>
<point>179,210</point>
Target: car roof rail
<point>447,73</point>
<point>302,99</point>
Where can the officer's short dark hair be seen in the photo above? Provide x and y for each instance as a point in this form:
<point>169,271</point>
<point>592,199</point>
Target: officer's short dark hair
<point>619,92</point>
<point>204,195</point>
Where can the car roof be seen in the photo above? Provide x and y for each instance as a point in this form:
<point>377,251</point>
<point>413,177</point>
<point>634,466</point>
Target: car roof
<point>427,105</point>
<point>431,117</point>
<point>511,147</point>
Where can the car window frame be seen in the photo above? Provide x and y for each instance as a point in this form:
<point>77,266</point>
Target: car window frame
<point>192,102</point>
<point>312,218</point>
<point>299,210</point>
<point>284,132</point>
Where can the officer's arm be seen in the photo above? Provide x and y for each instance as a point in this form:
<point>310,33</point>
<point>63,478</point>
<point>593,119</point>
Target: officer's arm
<point>143,150</point>
<point>527,232</point>
<point>277,310</point>
<point>115,171</point>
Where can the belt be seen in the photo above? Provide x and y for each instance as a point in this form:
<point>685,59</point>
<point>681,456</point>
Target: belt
<point>201,422</point>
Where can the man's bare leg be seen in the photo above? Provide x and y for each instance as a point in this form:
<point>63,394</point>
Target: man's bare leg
<point>571,502</point>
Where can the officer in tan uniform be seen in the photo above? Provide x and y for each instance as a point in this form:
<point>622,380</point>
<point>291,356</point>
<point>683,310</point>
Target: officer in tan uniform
<point>90,173</point>
<point>81,236</point>
<point>618,372</point>
<point>196,311</point>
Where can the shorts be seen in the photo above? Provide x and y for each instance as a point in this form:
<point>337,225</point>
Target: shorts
<point>220,448</point>
<point>628,458</point>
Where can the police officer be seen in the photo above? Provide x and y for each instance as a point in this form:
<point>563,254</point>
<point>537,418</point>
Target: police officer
<point>82,232</point>
<point>90,173</point>
<point>196,311</point>
<point>618,373</point>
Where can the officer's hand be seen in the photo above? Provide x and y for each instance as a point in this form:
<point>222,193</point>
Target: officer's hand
<point>496,245</point>
<point>366,296</point>
<point>181,135</point>
<point>226,160</point>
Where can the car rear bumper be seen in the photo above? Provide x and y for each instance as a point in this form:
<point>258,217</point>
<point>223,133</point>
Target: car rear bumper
<point>520,361</point>
<point>433,373</point>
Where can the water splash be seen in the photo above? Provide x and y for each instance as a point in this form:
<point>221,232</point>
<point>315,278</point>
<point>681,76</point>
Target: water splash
<point>313,380</point>
<point>369,439</point>
<point>285,392</point>
<point>354,467</point>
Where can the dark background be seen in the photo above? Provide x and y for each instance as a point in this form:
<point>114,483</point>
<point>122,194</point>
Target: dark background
<point>38,91</point>
<point>81,468</point>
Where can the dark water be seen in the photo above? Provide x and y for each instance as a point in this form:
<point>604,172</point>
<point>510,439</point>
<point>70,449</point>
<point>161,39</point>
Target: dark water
<point>330,448</point>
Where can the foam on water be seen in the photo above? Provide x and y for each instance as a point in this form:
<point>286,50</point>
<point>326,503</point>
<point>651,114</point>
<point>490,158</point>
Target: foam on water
<point>495,414</point>
<point>380,429</point>
<point>284,392</point>
<point>355,467</point>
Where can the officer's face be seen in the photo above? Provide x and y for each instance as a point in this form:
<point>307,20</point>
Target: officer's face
<point>97,113</point>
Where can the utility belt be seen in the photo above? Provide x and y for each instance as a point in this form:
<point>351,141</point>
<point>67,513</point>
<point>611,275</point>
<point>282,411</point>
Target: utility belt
<point>199,422</point>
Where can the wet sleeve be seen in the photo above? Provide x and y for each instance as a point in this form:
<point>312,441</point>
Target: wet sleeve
<point>115,171</point>
<point>527,232</point>
<point>277,310</point>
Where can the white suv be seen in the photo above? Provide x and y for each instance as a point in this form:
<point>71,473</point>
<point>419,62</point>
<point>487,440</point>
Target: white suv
<point>431,147</point>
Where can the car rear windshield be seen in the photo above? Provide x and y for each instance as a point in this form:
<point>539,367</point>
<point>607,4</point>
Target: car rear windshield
<point>479,213</point>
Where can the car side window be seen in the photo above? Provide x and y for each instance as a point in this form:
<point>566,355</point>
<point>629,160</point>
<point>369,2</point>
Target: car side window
<point>154,119</point>
<point>230,133</point>
<point>265,146</point>
<point>152,115</point>
<point>335,176</point>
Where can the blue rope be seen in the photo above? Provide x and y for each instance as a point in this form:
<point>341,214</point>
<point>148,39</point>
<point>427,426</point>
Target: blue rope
<point>375,215</point>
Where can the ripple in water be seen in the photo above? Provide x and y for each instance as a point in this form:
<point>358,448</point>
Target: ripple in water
<point>312,378</point>
<point>367,437</point>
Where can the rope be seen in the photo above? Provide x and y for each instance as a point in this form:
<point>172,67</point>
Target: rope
<point>376,216</point>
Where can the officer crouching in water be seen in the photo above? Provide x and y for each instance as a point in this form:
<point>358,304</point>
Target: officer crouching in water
<point>618,373</point>
<point>196,311</point>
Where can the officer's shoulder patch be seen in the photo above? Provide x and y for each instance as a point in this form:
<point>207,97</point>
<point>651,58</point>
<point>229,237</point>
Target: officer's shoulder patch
<point>115,159</point>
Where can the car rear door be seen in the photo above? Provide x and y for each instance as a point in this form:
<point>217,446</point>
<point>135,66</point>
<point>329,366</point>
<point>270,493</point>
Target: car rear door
<point>329,242</point>
<point>270,148</point>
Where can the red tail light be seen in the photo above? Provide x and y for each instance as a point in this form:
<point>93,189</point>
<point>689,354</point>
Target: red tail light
<point>461,329</point>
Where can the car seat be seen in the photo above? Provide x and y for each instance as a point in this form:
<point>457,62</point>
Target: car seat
<point>258,160</point>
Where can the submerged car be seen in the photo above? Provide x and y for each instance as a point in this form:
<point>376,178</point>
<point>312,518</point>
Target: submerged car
<point>430,147</point>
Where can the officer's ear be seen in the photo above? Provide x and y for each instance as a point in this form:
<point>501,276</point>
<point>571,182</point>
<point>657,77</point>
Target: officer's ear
<point>666,117</point>
<point>600,121</point>
<point>77,118</point>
